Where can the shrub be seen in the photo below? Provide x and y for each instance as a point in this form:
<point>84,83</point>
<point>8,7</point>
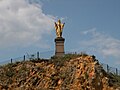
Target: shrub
<point>59,61</point>
<point>9,73</point>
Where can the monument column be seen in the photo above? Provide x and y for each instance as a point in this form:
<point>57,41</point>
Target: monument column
<point>59,46</point>
<point>59,40</point>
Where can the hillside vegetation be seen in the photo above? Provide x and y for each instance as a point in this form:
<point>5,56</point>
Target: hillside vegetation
<point>71,72</point>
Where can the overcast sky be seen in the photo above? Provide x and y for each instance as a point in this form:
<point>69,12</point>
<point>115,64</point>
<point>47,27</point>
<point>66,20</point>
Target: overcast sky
<point>91,26</point>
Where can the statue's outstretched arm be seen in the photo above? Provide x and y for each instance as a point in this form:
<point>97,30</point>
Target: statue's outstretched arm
<point>62,26</point>
<point>56,26</point>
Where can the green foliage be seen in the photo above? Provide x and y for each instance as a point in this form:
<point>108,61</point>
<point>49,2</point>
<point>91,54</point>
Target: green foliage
<point>17,62</point>
<point>35,80</point>
<point>23,69</point>
<point>117,77</point>
<point>54,79</point>
<point>41,70</point>
<point>59,61</point>
<point>10,73</point>
<point>9,65</point>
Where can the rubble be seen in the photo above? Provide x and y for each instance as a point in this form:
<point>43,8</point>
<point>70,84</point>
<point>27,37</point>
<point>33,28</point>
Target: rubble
<point>80,73</point>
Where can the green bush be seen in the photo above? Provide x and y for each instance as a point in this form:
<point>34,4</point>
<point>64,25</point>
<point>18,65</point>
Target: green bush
<point>10,73</point>
<point>59,61</point>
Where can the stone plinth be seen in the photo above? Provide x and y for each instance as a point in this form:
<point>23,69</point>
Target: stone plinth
<point>59,46</point>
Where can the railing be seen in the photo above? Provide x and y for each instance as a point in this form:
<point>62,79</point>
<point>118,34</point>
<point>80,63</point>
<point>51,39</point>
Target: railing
<point>48,54</point>
<point>45,55</point>
<point>109,69</point>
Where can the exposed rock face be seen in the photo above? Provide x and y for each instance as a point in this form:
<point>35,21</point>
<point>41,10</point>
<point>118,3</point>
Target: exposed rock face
<point>81,73</point>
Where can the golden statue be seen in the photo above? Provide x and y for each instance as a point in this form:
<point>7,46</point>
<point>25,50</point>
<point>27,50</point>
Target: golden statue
<point>59,28</point>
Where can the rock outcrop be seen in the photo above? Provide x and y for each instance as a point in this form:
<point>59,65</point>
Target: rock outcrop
<point>80,73</point>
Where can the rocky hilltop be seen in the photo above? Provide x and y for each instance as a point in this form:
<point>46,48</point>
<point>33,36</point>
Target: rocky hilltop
<point>71,72</point>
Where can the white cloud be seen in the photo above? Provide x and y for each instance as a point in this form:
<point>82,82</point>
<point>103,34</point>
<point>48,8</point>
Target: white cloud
<point>23,23</point>
<point>102,43</point>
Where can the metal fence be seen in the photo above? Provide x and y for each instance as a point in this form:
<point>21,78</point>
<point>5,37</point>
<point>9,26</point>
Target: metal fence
<point>48,54</point>
<point>37,55</point>
<point>109,69</point>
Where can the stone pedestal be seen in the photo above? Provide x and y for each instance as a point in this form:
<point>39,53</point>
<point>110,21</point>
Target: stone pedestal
<point>59,46</point>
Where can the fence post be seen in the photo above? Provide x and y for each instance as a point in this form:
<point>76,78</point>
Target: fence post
<point>116,71</point>
<point>38,55</point>
<point>107,68</point>
<point>24,58</point>
<point>11,60</point>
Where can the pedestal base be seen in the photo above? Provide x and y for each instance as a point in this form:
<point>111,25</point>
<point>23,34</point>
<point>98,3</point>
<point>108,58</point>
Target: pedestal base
<point>59,46</point>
